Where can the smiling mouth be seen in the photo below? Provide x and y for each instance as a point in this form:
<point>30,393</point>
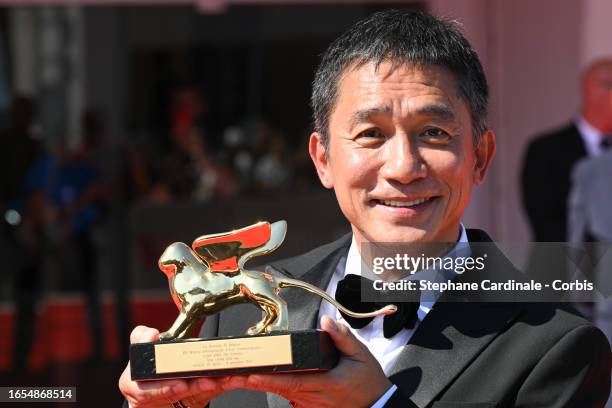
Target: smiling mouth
<point>403,204</point>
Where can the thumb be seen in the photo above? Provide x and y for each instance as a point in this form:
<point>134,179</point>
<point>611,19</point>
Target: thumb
<point>143,334</point>
<point>342,337</point>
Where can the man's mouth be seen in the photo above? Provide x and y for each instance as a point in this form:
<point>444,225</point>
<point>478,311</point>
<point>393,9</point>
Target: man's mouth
<point>404,204</point>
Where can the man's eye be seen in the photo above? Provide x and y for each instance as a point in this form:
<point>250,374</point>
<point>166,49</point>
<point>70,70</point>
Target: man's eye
<point>436,135</point>
<point>372,134</point>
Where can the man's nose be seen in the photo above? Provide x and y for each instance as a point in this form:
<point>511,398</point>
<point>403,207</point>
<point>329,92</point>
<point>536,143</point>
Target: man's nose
<point>402,160</point>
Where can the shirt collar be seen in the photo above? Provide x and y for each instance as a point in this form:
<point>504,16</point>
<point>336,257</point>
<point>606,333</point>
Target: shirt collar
<point>354,264</point>
<point>591,136</point>
<point>429,298</point>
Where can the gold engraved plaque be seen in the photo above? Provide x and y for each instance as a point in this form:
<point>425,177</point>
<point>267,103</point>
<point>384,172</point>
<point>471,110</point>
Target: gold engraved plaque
<point>223,354</point>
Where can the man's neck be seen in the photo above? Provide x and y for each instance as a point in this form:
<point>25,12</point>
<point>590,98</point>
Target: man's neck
<point>600,125</point>
<point>370,253</point>
<point>427,247</point>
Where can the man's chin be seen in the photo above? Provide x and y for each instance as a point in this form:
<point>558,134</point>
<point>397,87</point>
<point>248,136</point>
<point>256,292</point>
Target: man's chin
<point>401,235</point>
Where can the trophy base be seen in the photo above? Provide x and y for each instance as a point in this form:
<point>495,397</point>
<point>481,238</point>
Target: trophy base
<point>304,350</point>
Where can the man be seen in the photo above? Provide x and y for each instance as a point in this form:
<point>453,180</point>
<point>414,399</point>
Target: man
<point>590,195</point>
<point>589,217</point>
<point>550,158</point>
<point>399,106</point>
<point>23,233</point>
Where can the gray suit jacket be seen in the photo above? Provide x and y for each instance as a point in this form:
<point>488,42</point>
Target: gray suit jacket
<point>590,199</point>
<point>463,354</point>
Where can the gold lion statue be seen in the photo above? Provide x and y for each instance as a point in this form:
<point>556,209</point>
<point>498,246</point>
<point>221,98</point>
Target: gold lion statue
<point>210,276</point>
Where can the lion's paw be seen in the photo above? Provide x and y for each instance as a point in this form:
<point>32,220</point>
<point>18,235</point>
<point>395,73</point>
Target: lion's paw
<point>165,336</point>
<point>258,329</point>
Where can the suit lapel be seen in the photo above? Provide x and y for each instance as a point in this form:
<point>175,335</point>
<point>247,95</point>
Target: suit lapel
<point>575,147</point>
<point>452,334</point>
<point>447,340</point>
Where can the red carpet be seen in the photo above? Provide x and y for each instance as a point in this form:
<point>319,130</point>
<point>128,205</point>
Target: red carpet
<point>62,334</point>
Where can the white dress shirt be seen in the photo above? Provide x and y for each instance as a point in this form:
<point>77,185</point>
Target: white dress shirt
<point>386,350</point>
<point>591,137</point>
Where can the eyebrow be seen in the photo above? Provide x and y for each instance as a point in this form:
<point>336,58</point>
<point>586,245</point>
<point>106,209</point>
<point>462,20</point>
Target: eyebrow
<point>441,111</point>
<point>362,115</point>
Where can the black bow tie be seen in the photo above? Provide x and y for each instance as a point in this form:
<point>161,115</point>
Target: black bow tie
<point>349,292</point>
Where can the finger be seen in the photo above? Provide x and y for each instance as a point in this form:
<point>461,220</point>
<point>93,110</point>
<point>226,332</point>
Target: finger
<point>201,391</point>
<point>198,391</point>
<point>135,334</point>
<point>161,392</point>
<point>287,383</point>
<point>143,334</point>
<point>208,388</point>
<point>151,393</point>
<point>342,337</point>
<point>233,382</point>
<point>206,385</point>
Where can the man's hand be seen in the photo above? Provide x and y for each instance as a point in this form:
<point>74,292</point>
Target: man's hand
<point>357,380</point>
<point>194,393</point>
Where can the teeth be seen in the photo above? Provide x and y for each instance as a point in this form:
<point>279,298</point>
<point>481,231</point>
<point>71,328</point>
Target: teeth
<point>404,203</point>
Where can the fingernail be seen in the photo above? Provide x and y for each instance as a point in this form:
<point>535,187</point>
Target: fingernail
<point>333,325</point>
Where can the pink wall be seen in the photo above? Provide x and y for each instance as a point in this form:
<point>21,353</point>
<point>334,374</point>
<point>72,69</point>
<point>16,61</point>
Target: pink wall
<point>597,32</point>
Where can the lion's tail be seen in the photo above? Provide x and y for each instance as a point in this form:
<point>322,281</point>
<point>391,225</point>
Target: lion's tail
<point>293,283</point>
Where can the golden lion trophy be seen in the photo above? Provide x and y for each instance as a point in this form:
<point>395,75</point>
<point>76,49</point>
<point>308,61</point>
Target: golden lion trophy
<point>210,276</point>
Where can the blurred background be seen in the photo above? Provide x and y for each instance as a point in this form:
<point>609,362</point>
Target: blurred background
<point>130,124</point>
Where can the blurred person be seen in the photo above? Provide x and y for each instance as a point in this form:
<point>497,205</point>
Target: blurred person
<point>272,170</point>
<point>589,215</point>
<point>239,153</point>
<point>82,195</point>
<point>137,173</point>
<point>590,198</point>
<point>590,220</point>
<point>22,147</point>
<point>188,170</point>
<point>74,199</point>
<point>549,158</point>
<point>24,216</point>
<point>270,167</point>
<point>547,168</point>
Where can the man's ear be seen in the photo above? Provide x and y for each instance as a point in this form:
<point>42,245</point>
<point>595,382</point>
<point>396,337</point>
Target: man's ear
<point>484,154</point>
<point>320,159</point>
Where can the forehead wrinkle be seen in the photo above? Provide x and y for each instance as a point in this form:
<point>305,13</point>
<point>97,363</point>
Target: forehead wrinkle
<point>363,115</point>
<point>371,81</point>
<point>440,111</point>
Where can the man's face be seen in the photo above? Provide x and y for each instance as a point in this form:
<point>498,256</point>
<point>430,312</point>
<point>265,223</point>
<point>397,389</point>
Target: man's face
<point>597,88</point>
<point>401,159</point>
